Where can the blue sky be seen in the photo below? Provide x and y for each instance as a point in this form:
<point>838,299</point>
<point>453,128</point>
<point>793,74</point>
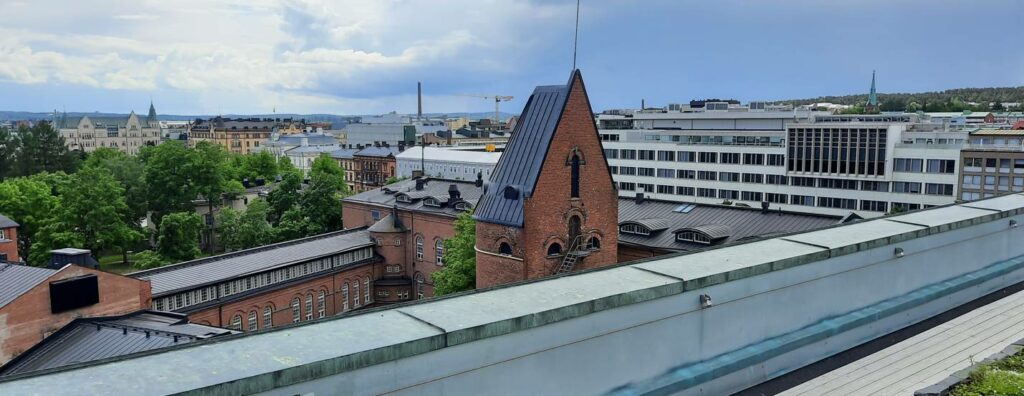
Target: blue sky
<point>364,57</point>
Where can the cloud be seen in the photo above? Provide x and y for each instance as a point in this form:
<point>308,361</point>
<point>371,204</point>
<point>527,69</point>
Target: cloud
<point>307,51</point>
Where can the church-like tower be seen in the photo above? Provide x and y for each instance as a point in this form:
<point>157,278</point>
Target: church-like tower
<point>872,96</point>
<point>551,205</point>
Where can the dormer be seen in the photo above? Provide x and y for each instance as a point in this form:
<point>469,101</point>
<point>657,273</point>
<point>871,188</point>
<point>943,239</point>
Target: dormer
<point>706,234</point>
<point>644,227</point>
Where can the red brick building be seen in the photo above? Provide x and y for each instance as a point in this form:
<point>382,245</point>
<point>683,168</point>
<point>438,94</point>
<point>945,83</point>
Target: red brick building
<point>412,247</point>
<point>551,205</point>
<point>36,302</point>
<point>287,282</point>
<point>373,166</point>
<point>8,240</point>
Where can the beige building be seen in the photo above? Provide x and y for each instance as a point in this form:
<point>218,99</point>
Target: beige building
<point>992,164</point>
<point>127,134</point>
<point>236,135</point>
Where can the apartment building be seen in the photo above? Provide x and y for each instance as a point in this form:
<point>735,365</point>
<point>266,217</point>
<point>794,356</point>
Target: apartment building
<point>236,135</point>
<point>802,161</point>
<point>992,163</point>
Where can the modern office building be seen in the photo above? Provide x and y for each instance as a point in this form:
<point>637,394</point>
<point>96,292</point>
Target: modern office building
<point>810,162</point>
<point>446,162</point>
<point>992,163</point>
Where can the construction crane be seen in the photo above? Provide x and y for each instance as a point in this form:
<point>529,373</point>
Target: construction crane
<point>497,104</point>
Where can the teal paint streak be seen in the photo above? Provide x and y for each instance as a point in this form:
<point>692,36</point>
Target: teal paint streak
<point>690,375</point>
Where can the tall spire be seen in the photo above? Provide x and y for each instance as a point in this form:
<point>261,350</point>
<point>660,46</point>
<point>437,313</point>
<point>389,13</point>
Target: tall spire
<point>151,117</point>
<point>872,96</point>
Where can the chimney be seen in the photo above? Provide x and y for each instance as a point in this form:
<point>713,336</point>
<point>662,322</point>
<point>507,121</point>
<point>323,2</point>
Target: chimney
<point>642,105</point>
<point>479,179</point>
<point>420,183</point>
<point>639,198</point>
<point>418,173</point>
<point>419,100</point>
<point>453,193</point>
<point>764,207</point>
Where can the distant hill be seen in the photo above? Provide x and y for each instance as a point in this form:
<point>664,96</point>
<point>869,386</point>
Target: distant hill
<point>337,119</point>
<point>948,100</point>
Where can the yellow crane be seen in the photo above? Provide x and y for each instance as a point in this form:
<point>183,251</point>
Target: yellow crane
<point>497,103</point>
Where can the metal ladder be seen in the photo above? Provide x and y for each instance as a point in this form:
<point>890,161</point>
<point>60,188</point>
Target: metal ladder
<point>571,256</point>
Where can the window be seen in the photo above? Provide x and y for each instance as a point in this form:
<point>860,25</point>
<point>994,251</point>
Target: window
<point>908,165</point>
<point>321,304</point>
<point>646,187</point>
<point>355,294</point>
<point>268,316</point>
<point>375,215</point>
<point>730,158</point>
<point>776,160</point>
<point>634,229</point>
<point>801,181</point>
<point>751,196</point>
<point>236,322</point>
<point>873,206</point>
<point>431,202</point>
<point>838,203</point>
<point>666,155</point>
<point>753,159</point>
<point>728,194</point>
<point>625,186</point>
<point>706,192</point>
<point>753,178</point>
<point>554,249</point>
<point>309,306</point>
<point>439,251</point>
<point>973,162</point>
<point>666,173</point>
<point>728,176</point>
<point>419,247</point>
<point>366,290</point>
<point>906,187</point>
<point>296,310</point>
<point>776,179</point>
<point>776,198</point>
<point>941,166</point>
<point>344,296</point>
<point>663,189</point>
<point>253,324</point>
<point>707,175</point>
<point>646,155</point>
<point>611,153</point>
<point>505,249</point>
<point>628,154</point>
<point>942,189</point>
<point>649,172</point>
<point>575,177</point>
<point>841,184</point>
<point>593,243</point>
<point>803,200</point>
<point>688,191</point>
<point>707,157</point>
<point>692,236</point>
<point>880,186</point>
<point>686,174</point>
<point>686,156</point>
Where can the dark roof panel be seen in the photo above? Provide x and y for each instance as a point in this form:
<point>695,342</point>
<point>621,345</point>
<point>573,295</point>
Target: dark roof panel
<point>438,188</point>
<point>516,173</point>
<point>6,222</point>
<point>16,279</point>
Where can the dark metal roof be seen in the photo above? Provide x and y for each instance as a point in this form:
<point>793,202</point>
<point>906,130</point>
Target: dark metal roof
<point>374,151</point>
<point>728,223</point>
<point>88,339</point>
<point>432,187</point>
<point>387,224</point>
<point>516,173</point>
<point>16,279</point>
<point>195,273</point>
<point>6,222</point>
<point>654,224</point>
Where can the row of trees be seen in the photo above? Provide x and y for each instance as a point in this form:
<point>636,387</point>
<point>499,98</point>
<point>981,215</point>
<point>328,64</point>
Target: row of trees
<point>103,203</point>
<point>988,99</point>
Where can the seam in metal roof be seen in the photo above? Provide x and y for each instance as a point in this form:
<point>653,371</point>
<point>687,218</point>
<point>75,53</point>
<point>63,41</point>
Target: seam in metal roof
<point>16,279</point>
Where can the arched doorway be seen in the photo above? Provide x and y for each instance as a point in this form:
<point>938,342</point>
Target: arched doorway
<point>575,230</point>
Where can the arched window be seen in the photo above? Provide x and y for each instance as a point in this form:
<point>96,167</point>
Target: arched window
<point>575,175</point>
<point>253,324</point>
<point>268,316</point>
<point>296,313</point>
<point>344,297</point>
<point>505,249</point>
<point>554,249</point>
<point>309,306</point>
<point>321,304</point>
<point>420,280</point>
<point>419,247</point>
<point>439,251</point>
<point>366,290</point>
<point>593,243</point>
<point>236,322</point>
<point>355,294</point>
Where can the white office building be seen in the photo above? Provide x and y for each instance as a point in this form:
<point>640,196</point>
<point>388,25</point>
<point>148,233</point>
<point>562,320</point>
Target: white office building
<point>446,162</point>
<point>801,161</point>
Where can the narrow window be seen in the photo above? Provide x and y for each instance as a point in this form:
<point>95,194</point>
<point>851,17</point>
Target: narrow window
<point>344,297</point>
<point>253,324</point>
<point>321,304</point>
<point>236,322</point>
<point>296,314</point>
<point>575,176</point>
<point>309,306</point>
<point>355,294</point>
<point>268,317</point>
<point>366,290</point>
<point>419,247</point>
<point>439,251</point>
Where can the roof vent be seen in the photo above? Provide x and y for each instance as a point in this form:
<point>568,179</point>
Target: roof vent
<point>479,179</point>
<point>639,198</point>
<point>764,207</point>
<point>419,184</point>
<point>511,193</point>
<point>453,193</point>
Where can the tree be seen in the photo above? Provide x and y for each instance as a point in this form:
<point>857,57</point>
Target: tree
<point>459,272</point>
<point>294,225</point>
<point>147,259</point>
<point>246,229</point>
<point>167,169</point>
<point>130,173</point>
<point>30,202</point>
<point>179,236</point>
<point>284,196</point>
<point>92,206</point>
<point>260,165</point>
<point>209,175</point>
<point>321,201</point>
<point>8,148</point>
<point>41,149</point>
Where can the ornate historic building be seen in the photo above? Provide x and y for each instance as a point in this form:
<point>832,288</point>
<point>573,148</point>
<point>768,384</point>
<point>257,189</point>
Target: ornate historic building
<point>127,134</point>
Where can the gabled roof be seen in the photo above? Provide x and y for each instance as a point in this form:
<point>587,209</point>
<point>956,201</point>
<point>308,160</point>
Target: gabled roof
<point>516,173</point>
<point>16,279</point>
<point>88,339</point>
<point>6,222</point>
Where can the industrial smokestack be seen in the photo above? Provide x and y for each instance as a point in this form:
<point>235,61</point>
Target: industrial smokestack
<point>419,100</point>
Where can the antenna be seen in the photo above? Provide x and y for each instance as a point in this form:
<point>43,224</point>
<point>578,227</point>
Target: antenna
<point>576,36</point>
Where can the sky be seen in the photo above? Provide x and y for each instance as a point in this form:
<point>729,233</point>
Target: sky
<point>365,57</point>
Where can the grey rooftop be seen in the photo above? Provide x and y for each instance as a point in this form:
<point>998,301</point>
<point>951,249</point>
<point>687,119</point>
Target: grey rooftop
<point>436,188</point>
<point>211,270</point>
<point>16,279</point>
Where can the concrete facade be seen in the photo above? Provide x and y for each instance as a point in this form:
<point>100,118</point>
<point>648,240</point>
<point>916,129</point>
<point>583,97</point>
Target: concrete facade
<point>28,319</point>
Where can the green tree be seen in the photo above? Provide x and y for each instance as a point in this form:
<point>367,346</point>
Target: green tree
<point>209,175</point>
<point>30,202</point>
<point>321,201</point>
<point>286,167</point>
<point>130,173</point>
<point>293,225</point>
<point>41,149</point>
<point>93,207</point>
<point>260,165</point>
<point>8,148</point>
<point>179,236</point>
<point>245,229</point>
<point>459,272</point>
<point>167,169</point>
<point>147,259</point>
<point>284,196</point>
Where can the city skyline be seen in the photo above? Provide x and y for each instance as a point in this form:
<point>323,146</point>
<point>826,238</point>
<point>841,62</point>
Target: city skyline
<point>349,58</point>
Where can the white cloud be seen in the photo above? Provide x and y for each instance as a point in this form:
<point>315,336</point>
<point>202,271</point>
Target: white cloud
<point>318,52</point>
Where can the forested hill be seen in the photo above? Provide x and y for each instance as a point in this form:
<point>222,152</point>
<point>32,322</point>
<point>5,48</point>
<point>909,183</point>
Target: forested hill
<point>948,100</point>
